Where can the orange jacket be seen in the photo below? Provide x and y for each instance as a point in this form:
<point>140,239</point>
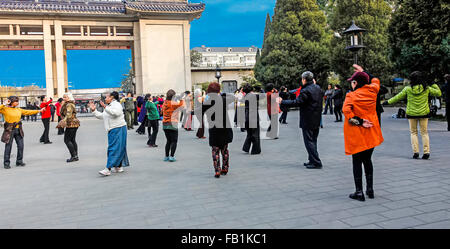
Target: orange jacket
<point>168,108</point>
<point>362,103</point>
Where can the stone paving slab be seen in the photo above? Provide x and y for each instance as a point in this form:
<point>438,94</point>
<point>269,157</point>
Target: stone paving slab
<point>271,190</point>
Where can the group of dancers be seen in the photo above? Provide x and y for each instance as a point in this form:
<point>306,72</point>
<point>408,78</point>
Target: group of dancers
<point>362,126</point>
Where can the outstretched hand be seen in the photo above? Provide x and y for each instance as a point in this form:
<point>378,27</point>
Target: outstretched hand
<point>92,105</point>
<point>7,102</point>
<point>358,68</point>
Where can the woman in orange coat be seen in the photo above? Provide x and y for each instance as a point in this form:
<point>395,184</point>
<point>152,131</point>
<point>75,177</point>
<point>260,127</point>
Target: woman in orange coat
<point>362,132</point>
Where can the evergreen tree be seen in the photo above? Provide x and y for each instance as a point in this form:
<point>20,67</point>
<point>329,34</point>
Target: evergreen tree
<point>267,28</point>
<point>419,37</point>
<point>372,15</point>
<point>297,42</point>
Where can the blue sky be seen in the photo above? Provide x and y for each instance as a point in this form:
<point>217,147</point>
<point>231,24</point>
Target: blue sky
<point>225,23</point>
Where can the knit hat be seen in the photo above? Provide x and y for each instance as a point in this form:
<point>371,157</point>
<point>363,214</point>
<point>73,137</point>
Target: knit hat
<point>360,77</point>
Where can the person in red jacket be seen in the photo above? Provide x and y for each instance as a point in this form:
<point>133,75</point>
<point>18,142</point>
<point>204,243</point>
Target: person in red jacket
<point>46,115</point>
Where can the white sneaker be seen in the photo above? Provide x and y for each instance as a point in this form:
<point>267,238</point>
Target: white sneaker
<point>105,172</point>
<point>119,169</point>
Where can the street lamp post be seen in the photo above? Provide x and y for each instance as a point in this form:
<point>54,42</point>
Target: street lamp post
<point>218,74</point>
<point>356,41</point>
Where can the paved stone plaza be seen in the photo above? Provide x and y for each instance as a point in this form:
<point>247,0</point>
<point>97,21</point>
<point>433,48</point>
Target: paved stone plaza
<point>271,190</point>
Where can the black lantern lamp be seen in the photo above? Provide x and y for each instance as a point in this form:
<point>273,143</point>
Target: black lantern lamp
<point>218,73</point>
<point>356,41</point>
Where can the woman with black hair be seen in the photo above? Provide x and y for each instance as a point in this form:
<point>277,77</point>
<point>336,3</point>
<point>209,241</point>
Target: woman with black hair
<point>13,129</point>
<point>114,121</point>
<point>417,110</point>
<point>338,96</point>
<point>46,115</point>
<point>251,121</point>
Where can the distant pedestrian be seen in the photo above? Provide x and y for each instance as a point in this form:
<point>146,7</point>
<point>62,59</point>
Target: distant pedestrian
<point>328,100</point>
<point>417,110</point>
<point>129,110</point>
<point>220,131</point>
<point>70,122</point>
<point>53,111</point>
<point>338,96</point>
<point>252,120</point>
<point>284,94</point>
<point>362,132</point>
<point>199,98</point>
<point>13,129</point>
<point>58,106</point>
<point>116,127</point>
<point>142,112</point>
<point>189,108</point>
<point>46,115</point>
<point>446,90</point>
<point>310,101</point>
<point>171,109</point>
<point>272,112</point>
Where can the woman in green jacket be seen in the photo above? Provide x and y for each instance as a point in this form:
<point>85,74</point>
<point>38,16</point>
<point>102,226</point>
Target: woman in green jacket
<point>153,120</point>
<point>418,110</point>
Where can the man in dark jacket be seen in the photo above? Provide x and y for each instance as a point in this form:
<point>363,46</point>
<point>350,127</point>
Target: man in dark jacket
<point>446,90</point>
<point>310,102</point>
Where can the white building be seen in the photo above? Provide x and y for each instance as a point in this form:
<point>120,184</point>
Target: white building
<point>227,56</point>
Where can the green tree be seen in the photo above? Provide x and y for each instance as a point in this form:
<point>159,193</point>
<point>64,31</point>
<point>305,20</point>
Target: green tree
<point>297,42</point>
<point>372,15</point>
<point>419,37</point>
<point>196,58</point>
<point>127,83</point>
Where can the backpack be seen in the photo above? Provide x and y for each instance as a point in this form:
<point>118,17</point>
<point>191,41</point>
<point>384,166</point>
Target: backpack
<point>401,113</point>
<point>129,104</point>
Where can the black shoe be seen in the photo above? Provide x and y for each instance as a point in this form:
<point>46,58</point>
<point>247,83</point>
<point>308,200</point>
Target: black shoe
<point>72,159</point>
<point>306,164</point>
<point>284,123</point>
<point>48,142</point>
<point>22,164</point>
<point>416,156</point>
<point>224,172</point>
<point>217,175</point>
<point>337,121</point>
<point>312,166</point>
<point>426,156</point>
<point>369,190</point>
<point>358,195</point>
<point>7,166</point>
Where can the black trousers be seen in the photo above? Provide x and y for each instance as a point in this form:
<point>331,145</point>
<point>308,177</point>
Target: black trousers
<point>44,137</point>
<point>447,114</point>
<point>338,112</point>
<point>359,159</point>
<point>141,128</point>
<point>15,135</point>
<point>253,141</point>
<point>172,141</point>
<point>310,139</point>
<point>152,125</point>
<point>69,139</point>
<point>328,103</point>
<point>283,116</point>
<point>60,130</point>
